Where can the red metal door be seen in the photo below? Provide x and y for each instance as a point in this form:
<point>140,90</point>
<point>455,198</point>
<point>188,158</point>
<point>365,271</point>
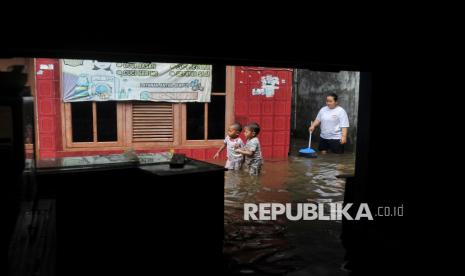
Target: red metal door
<point>263,95</point>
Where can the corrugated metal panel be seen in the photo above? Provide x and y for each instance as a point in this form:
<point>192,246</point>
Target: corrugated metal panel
<point>152,122</point>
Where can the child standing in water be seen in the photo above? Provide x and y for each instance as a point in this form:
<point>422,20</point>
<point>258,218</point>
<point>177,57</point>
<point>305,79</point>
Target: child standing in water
<point>232,142</point>
<point>252,151</point>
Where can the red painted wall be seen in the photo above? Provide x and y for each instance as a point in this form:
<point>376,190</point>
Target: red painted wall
<point>273,114</point>
<point>48,107</point>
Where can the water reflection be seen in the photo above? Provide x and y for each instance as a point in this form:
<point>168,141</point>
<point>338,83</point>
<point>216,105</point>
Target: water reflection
<point>283,247</point>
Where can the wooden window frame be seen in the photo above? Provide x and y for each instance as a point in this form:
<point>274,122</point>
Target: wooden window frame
<point>68,133</point>
<point>229,114</point>
<point>124,125</point>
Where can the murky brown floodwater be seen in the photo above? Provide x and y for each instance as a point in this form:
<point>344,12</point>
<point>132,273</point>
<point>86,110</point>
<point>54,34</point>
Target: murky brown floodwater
<point>285,247</point>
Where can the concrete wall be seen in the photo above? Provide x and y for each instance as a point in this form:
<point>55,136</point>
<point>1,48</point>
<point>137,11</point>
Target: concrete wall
<point>309,95</point>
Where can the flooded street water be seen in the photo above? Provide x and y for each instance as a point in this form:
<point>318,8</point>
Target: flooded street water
<point>283,247</point>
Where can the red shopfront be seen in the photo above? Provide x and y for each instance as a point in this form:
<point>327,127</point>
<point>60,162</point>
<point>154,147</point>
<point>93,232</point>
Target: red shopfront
<point>244,99</point>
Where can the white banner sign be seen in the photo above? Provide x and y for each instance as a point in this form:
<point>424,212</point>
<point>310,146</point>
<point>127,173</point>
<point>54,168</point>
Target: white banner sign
<point>91,80</point>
